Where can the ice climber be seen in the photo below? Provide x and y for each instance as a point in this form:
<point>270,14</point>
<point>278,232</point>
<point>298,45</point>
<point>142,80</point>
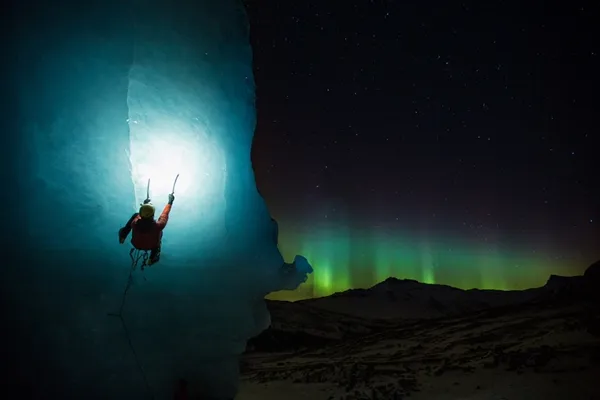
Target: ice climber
<point>147,232</point>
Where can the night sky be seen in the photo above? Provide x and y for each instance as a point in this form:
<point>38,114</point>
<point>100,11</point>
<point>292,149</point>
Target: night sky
<point>448,142</point>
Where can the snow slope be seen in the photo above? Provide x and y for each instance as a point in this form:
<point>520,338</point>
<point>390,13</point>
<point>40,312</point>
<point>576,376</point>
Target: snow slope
<point>541,343</point>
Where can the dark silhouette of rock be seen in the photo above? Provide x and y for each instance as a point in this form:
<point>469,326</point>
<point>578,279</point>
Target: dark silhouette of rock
<point>564,287</point>
<point>592,273</point>
<point>591,278</point>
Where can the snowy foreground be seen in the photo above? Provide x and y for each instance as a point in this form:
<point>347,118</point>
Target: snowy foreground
<point>545,348</point>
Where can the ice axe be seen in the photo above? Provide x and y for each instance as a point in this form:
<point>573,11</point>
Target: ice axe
<point>147,193</point>
<point>174,183</point>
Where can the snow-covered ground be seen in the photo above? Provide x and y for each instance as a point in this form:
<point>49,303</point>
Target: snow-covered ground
<point>541,345</point>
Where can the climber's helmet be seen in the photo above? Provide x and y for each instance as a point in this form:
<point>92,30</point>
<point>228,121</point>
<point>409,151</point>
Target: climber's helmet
<point>147,210</point>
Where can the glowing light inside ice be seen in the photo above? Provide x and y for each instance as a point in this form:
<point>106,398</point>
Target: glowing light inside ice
<point>161,154</point>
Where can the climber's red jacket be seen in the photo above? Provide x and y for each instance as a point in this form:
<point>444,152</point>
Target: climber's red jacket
<point>147,233</point>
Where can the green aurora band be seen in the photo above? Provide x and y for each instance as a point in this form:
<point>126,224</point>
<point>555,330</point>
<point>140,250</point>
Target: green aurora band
<point>344,260</point>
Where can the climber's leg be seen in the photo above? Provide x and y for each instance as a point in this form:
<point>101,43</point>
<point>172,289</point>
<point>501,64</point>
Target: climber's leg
<point>155,253</point>
<point>154,256</point>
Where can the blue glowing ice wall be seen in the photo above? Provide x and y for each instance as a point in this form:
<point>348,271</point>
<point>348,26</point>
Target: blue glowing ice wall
<point>112,94</point>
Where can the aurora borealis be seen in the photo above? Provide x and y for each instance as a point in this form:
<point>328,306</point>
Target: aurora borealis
<point>428,140</point>
<point>342,262</point>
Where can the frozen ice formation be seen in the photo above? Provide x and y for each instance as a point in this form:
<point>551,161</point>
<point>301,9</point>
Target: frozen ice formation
<point>110,94</point>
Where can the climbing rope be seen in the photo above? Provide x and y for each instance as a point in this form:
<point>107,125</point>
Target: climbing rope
<point>138,257</point>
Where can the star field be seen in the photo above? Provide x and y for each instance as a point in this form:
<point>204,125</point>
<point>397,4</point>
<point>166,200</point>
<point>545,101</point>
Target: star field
<point>429,126</point>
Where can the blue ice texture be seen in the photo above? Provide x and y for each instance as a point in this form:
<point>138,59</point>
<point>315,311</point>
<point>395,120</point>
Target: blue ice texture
<point>109,95</point>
